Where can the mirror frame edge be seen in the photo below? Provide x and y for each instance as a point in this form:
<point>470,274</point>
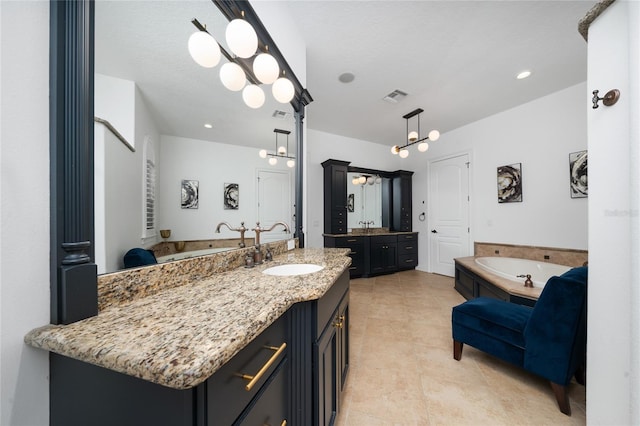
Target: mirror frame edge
<point>73,273</point>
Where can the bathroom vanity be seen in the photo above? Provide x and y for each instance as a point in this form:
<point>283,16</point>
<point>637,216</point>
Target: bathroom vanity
<point>379,236</point>
<point>236,347</point>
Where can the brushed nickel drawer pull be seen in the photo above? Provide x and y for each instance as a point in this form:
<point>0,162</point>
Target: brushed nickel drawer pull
<point>409,261</point>
<point>254,379</point>
<point>353,252</point>
<point>352,241</point>
<point>409,248</point>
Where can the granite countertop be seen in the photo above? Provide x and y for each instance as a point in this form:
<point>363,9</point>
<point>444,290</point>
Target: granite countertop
<point>511,287</point>
<point>180,336</point>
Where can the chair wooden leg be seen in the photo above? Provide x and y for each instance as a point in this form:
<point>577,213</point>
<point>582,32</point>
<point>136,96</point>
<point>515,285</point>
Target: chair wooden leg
<point>562,396</point>
<point>581,376</point>
<point>457,350</point>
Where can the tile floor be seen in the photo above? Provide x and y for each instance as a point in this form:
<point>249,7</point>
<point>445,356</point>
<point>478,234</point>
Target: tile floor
<point>402,370</point>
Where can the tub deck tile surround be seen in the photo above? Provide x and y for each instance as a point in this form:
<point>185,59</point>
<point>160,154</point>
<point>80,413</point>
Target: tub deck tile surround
<point>181,333</point>
<point>511,287</point>
<point>561,256</point>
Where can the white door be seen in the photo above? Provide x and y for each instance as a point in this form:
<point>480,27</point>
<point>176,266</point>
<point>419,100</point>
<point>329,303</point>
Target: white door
<point>449,213</point>
<point>274,203</point>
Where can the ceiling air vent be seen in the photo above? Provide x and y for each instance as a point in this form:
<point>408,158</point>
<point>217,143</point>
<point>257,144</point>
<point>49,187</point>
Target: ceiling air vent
<point>395,96</point>
<point>283,115</point>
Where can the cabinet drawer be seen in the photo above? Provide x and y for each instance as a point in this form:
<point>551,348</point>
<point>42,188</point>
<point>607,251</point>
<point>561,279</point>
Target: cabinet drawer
<point>384,239</point>
<point>408,261</point>
<point>407,247</point>
<point>407,237</point>
<point>227,395</point>
<point>271,405</point>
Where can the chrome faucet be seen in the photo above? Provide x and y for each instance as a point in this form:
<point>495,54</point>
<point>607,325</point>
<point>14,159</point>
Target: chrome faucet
<point>258,229</point>
<point>241,229</point>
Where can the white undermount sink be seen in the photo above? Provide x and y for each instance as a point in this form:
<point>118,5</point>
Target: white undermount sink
<point>293,269</point>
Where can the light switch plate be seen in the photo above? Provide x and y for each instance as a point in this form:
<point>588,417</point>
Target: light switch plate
<point>291,244</point>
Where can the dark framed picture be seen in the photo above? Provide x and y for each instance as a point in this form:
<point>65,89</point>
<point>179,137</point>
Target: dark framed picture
<point>578,181</point>
<point>350,203</point>
<point>189,194</point>
<point>231,196</point>
<point>510,183</point>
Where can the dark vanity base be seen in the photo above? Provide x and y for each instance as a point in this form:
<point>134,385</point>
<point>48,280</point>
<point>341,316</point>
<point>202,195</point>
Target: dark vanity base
<point>303,385</point>
<point>378,254</point>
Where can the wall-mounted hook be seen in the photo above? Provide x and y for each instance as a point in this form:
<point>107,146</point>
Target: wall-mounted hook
<point>610,98</point>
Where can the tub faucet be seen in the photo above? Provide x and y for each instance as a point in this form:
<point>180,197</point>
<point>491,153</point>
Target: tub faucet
<point>241,229</point>
<point>258,229</point>
<point>527,283</point>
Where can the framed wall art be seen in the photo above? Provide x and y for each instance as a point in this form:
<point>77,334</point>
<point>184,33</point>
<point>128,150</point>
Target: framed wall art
<point>231,196</point>
<point>510,183</point>
<point>189,194</point>
<point>578,181</point>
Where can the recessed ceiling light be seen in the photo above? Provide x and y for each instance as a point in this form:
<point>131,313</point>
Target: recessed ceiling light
<point>523,74</point>
<point>208,126</point>
<point>346,77</point>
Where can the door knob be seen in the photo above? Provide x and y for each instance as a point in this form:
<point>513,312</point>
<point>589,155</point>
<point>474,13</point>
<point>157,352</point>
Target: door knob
<point>433,231</point>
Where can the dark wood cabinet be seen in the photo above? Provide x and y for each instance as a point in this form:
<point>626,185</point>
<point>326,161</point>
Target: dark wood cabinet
<point>300,364</point>
<point>335,196</point>
<point>402,204</point>
<point>359,245</point>
<point>378,254</point>
<point>331,355</point>
<point>407,251</point>
<point>383,254</point>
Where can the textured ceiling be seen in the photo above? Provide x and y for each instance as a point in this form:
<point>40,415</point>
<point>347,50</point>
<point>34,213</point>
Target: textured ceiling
<point>457,60</point>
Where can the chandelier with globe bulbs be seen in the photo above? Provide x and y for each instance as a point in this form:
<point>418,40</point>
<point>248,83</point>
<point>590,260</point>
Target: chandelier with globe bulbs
<point>413,137</point>
<point>262,68</point>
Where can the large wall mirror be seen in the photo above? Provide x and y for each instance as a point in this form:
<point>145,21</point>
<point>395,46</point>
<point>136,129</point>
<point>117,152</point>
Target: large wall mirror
<point>159,100</point>
<point>368,198</point>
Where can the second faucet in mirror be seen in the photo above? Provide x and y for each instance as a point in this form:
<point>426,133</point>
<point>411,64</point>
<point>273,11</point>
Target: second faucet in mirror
<point>258,229</point>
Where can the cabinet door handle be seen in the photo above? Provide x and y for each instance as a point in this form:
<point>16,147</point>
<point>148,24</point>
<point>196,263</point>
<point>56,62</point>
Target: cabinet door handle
<point>254,379</point>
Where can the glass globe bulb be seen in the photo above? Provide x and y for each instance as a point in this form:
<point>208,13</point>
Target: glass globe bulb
<point>291,163</point>
<point>266,68</point>
<point>362,179</point>
<point>404,153</point>
<point>263,153</point>
<point>355,180</point>
<point>283,90</point>
<point>434,135</point>
<point>253,96</point>
<point>394,150</point>
<point>378,179</point>
<point>371,180</point>
<point>413,136</point>
<point>204,49</point>
<point>423,146</point>
<point>241,38</point>
<point>273,161</point>
<point>282,150</point>
<point>232,76</point>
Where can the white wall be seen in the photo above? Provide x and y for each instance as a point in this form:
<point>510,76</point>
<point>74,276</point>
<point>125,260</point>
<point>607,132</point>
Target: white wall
<point>212,165</point>
<point>24,210</point>
<point>119,171</point>
<point>539,135</point>
<point>613,340</point>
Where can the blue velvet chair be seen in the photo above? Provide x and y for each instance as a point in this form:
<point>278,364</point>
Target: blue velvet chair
<point>548,340</point>
<point>139,257</point>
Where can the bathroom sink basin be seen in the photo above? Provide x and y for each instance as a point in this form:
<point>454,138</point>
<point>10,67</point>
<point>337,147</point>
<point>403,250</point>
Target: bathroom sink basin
<point>293,269</point>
